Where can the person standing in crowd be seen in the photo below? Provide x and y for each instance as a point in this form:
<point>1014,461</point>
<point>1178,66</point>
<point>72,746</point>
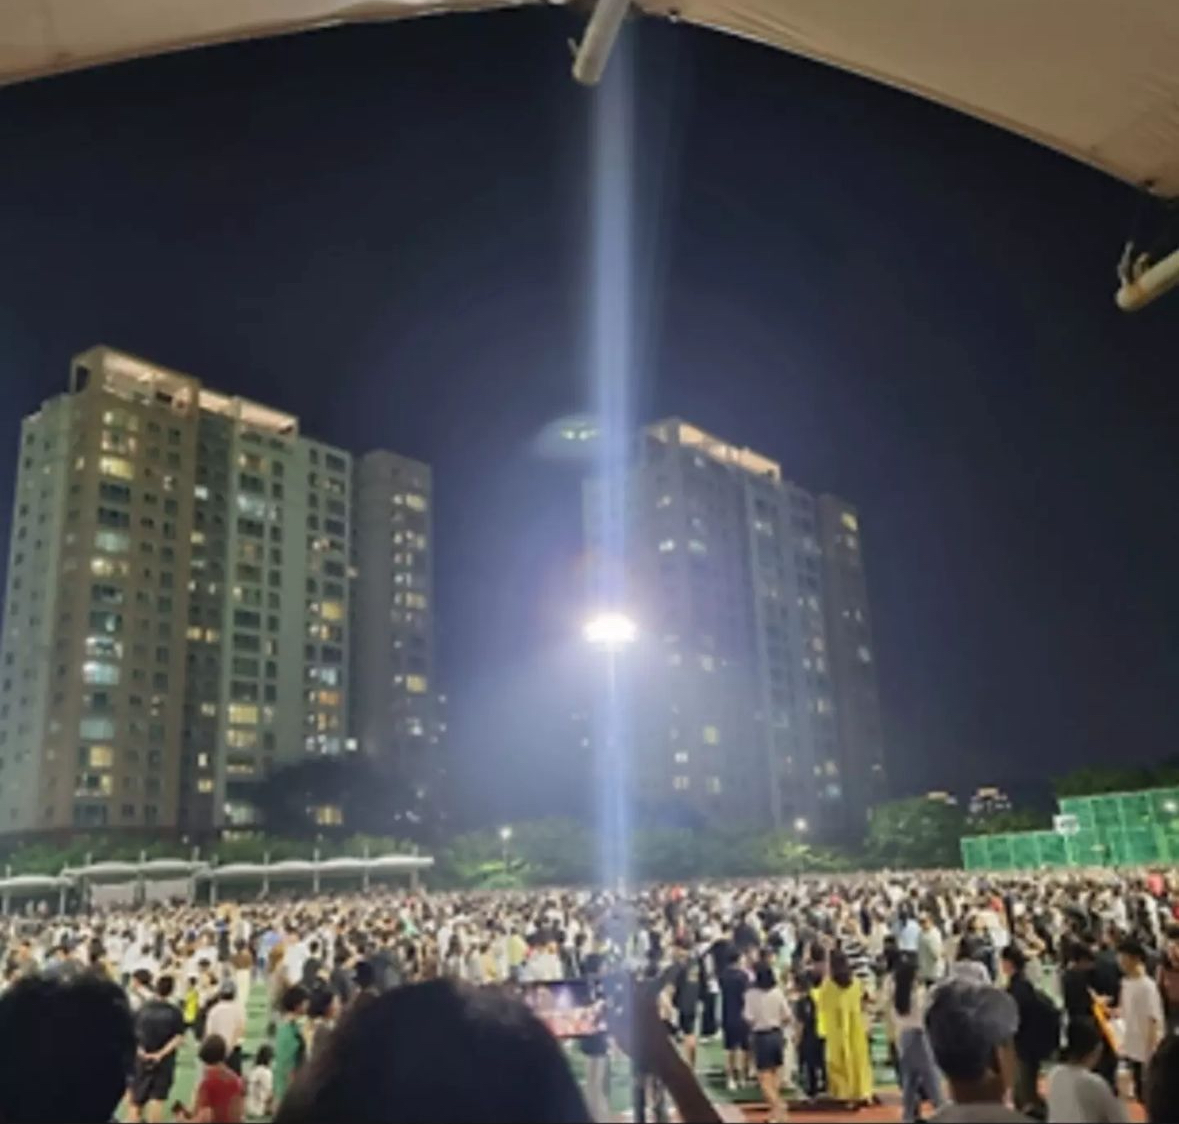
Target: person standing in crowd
<point>1167,978</point>
<point>1141,1009</point>
<point>1038,1036</point>
<point>686,987</point>
<point>841,1011</point>
<point>290,1047</point>
<point>227,1020</point>
<point>931,961</point>
<point>260,1084</point>
<point>321,1018</point>
<point>971,1030</point>
<point>1077,1095</point>
<point>242,965</point>
<point>595,1048</point>
<point>220,1095</point>
<point>1162,1083</point>
<point>904,998</point>
<point>768,1015</point>
<point>159,1030</point>
<point>734,982</point>
<point>812,1064</point>
<point>1083,1004</point>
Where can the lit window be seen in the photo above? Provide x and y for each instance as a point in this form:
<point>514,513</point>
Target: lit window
<point>241,739</point>
<point>327,815</point>
<point>117,467</point>
<point>416,502</point>
<point>415,684</point>
<point>707,663</point>
<point>201,492</point>
<point>96,729</point>
<point>328,698</point>
<point>105,674</point>
<point>212,635</point>
<point>195,632</point>
<point>710,735</point>
<point>104,647</point>
<point>102,567</point>
<point>681,758</point>
<point>113,542</point>
<point>663,501</point>
<point>415,600</point>
<point>197,538</point>
<point>208,710</point>
<point>864,655</point>
<point>101,757</point>
<point>331,611</point>
<point>205,784</point>
<point>666,546</point>
<point>712,784</point>
<point>849,521</point>
<point>680,784</point>
<point>695,546</point>
<point>242,714</point>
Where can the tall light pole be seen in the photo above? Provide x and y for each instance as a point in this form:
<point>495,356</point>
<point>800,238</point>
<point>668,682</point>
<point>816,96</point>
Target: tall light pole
<point>505,837</point>
<point>612,633</point>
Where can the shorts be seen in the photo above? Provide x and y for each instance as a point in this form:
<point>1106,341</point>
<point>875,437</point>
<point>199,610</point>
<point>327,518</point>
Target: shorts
<point>153,1080</point>
<point>769,1051</point>
<point>688,1021</point>
<point>736,1036</point>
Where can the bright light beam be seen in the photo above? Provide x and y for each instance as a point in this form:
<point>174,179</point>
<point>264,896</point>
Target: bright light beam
<point>611,632</point>
<point>611,378</point>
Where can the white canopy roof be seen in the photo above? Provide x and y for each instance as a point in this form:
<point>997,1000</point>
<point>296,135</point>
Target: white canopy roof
<point>1096,79</point>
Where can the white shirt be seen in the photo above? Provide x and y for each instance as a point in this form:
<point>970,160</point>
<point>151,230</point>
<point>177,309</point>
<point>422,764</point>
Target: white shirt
<point>259,1087</point>
<point>1140,1005</point>
<point>543,966</point>
<point>766,1010</point>
<point>1079,1097</point>
<point>227,1019</point>
<point>292,962</point>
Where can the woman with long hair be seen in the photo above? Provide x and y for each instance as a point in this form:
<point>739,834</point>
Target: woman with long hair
<point>768,1013</point>
<point>841,1009</point>
<point>905,998</point>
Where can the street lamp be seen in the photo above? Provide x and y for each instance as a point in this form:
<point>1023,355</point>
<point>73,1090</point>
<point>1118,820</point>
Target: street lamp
<point>800,829</point>
<point>505,837</point>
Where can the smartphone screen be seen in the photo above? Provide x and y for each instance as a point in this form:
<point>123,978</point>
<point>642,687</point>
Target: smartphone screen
<point>569,1008</point>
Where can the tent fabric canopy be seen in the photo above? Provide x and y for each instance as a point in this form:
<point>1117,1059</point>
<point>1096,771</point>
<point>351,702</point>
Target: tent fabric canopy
<point>1095,79</point>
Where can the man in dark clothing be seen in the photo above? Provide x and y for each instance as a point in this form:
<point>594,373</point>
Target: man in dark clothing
<point>159,1031</point>
<point>1077,990</point>
<point>312,967</point>
<point>687,982</point>
<point>734,982</point>
<point>340,980</point>
<point>1038,1034</point>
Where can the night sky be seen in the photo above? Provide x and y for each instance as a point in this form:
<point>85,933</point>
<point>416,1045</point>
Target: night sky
<point>384,230</point>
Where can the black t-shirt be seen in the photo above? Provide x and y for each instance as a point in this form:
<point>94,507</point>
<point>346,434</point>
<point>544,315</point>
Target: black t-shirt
<point>311,969</point>
<point>687,987</point>
<point>734,983</point>
<point>157,1023</point>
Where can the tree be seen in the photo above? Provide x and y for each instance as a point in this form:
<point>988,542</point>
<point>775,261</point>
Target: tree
<point>1017,819</point>
<point>1095,780</point>
<point>915,833</point>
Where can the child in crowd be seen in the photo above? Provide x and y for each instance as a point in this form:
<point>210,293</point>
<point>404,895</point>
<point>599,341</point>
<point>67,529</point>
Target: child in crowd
<point>260,1085</point>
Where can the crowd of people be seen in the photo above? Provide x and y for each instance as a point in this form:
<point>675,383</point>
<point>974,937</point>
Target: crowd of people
<point>998,998</point>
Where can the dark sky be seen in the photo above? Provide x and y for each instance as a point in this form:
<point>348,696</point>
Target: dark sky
<point>385,231</point>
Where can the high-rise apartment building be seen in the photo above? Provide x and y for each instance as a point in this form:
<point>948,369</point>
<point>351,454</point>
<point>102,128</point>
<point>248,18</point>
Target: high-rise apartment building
<point>178,603</point>
<point>738,680</point>
<point>395,705</point>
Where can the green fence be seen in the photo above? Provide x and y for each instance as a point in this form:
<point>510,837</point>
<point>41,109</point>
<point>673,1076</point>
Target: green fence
<point>1116,829</point>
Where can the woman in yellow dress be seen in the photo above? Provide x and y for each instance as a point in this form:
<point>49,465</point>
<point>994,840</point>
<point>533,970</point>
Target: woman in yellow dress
<point>840,1003</point>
